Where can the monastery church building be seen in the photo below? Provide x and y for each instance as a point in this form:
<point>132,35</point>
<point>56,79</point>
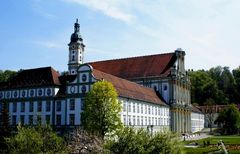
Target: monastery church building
<point>154,91</point>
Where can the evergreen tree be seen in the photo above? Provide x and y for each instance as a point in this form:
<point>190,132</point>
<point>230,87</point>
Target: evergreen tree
<point>5,130</point>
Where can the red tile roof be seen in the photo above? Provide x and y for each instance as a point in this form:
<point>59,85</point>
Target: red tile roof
<point>45,76</point>
<point>137,67</point>
<point>129,89</point>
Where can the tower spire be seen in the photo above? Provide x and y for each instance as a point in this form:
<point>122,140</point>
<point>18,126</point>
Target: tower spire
<point>76,26</point>
<point>76,50</point>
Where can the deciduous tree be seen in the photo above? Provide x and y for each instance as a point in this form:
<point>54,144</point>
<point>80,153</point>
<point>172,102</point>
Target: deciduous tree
<point>101,110</point>
<point>229,119</point>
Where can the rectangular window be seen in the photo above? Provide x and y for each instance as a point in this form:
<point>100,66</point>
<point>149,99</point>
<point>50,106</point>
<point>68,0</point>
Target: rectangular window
<point>152,121</point>
<point>145,120</point>
<point>71,119</point>
<point>47,119</point>
<point>72,104</point>
<point>158,111</point>
<point>141,108</point>
<point>22,120</point>
<point>138,120</point>
<point>58,121</point>
<point>129,120</point>
<point>134,122</point>
<point>14,120</point>
<point>124,107</point>
<point>149,121</point>
<point>129,107</point>
<point>159,122</point>
<point>82,104</point>
<point>156,121</point>
<point>39,109</point>
<point>142,120</point>
<point>22,107</point>
<point>14,106</point>
<point>39,120</point>
<point>149,110</point>
<point>137,108</point>
<point>48,106</point>
<point>155,110</point>
<point>59,106</point>
<point>31,106</point>
<point>30,119</point>
<point>145,109</point>
<point>152,110</point>
<point>133,107</point>
<point>124,120</point>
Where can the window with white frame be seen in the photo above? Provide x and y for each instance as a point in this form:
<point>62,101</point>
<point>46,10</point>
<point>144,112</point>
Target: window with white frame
<point>39,105</point>
<point>124,107</point>
<point>129,120</point>
<point>31,106</point>
<point>59,106</point>
<point>58,120</point>
<point>48,106</point>
<point>134,122</point>
<point>22,107</point>
<point>14,106</point>
<point>72,104</point>
<point>129,107</point>
<point>133,107</point>
<point>30,119</point>
<point>137,108</point>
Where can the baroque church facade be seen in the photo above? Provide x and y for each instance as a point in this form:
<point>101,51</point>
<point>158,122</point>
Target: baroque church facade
<point>154,91</point>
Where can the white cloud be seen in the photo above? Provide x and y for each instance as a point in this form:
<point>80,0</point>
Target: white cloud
<point>207,29</point>
<point>114,9</point>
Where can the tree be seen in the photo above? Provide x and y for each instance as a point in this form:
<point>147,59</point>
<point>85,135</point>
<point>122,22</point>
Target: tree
<point>130,140</point>
<point>101,110</point>
<point>209,112</point>
<point>40,139</point>
<point>6,75</point>
<point>81,141</point>
<point>5,130</point>
<point>230,120</point>
<point>236,74</point>
<point>203,87</point>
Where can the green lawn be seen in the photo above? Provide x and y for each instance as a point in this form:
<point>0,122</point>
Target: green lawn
<point>232,144</point>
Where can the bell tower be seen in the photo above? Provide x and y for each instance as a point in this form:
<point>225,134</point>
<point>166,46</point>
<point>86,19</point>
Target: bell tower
<point>76,50</point>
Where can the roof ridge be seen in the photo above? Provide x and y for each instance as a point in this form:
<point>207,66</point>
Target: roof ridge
<point>125,80</point>
<point>132,57</point>
<point>36,68</point>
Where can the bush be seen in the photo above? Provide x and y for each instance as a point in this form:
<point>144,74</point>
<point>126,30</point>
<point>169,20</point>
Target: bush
<point>40,139</point>
<point>140,141</point>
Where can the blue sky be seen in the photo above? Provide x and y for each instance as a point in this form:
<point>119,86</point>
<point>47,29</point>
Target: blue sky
<point>35,33</point>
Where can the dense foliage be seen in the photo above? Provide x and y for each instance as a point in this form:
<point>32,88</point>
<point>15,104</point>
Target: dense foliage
<point>5,130</point>
<point>5,75</point>
<point>229,119</point>
<point>130,140</point>
<point>101,110</point>
<point>40,139</point>
<point>218,84</point>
